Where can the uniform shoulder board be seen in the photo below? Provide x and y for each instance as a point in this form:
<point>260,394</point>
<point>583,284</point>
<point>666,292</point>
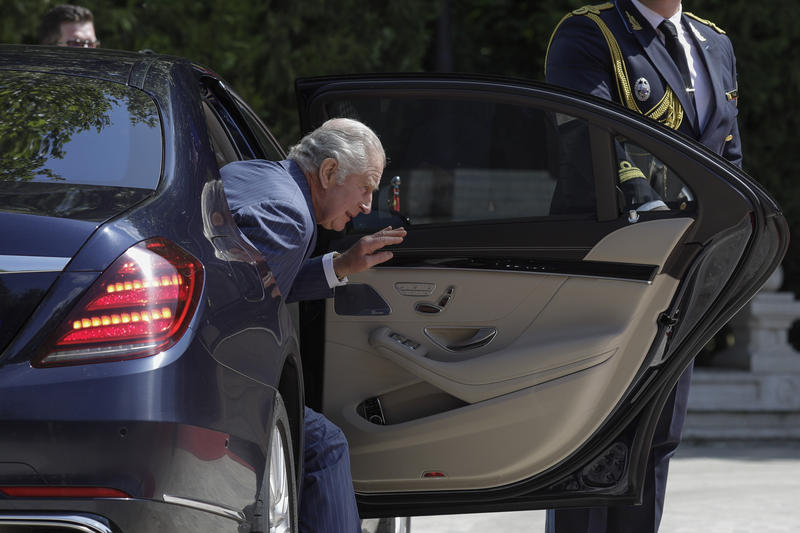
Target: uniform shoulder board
<point>706,22</point>
<point>595,10</point>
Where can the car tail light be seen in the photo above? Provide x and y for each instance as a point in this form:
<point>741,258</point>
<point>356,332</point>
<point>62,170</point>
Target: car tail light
<point>62,492</point>
<point>140,306</point>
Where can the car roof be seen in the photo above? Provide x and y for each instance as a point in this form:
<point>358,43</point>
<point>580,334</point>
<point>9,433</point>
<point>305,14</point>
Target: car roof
<point>118,66</point>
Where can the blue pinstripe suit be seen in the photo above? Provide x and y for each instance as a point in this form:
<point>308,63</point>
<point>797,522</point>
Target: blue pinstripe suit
<point>271,204</point>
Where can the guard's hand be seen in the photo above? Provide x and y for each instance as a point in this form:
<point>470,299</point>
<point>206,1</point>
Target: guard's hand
<point>364,254</point>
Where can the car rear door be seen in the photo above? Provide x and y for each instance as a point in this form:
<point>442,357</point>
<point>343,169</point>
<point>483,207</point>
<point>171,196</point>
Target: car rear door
<point>516,351</point>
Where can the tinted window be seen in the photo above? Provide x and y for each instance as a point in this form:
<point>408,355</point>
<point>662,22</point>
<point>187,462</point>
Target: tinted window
<point>233,129</point>
<point>655,185</point>
<point>221,143</point>
<point>68,130</point>
<point>469,160</point>
<point>265,142</point>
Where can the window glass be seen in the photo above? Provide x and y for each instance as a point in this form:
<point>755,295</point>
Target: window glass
<point>452,160</point>
<point>221,144</point>
<point>648,184</point>
<point>265,142</point>
<point>69,130</point>
<point>223,129</point>
<point>234,130</point>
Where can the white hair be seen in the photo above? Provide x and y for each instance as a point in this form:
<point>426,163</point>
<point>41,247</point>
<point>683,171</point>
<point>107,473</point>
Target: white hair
<point>347,141</point>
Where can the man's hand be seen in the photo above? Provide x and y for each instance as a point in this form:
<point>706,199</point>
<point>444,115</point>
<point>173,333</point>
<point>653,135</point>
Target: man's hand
<point>364,254</point>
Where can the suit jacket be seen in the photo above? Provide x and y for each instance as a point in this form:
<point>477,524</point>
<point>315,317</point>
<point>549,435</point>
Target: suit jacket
<point>271,204</point>
<point>605,49</point>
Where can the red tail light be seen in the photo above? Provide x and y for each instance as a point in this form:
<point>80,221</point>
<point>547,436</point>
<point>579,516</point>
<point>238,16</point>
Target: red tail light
<point>139,307</point>
<point>63,492</point>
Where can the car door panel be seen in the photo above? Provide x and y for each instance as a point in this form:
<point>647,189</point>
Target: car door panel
<point>541,338</point>
<point>530,325</point>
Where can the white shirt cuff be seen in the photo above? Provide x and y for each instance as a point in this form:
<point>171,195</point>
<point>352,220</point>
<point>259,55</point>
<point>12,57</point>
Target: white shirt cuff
<point>330,273</point>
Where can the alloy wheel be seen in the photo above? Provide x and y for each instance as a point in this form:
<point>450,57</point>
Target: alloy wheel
<point>280,516</point>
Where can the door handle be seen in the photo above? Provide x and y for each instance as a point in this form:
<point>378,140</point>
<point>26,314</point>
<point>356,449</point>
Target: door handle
<point>480,338</point>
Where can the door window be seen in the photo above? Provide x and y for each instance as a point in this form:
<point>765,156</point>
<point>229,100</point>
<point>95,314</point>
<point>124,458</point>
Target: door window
<point>235,133</point>
<point>451,161</point>
<point>647,184</point>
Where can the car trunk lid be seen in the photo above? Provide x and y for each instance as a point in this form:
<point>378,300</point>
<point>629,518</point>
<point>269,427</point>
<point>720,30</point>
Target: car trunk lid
<point>31,259</point>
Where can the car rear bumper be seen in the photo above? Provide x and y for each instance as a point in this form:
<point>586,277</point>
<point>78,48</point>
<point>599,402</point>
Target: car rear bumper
<point>110,516</point>
<point>187,461</point>
<point>56,522</point>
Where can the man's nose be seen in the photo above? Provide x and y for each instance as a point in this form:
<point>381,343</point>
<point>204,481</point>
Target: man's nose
<point>366,207</point>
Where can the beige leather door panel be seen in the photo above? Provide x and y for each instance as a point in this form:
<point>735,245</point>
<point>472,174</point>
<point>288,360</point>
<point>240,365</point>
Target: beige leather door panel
<point>507,378</point>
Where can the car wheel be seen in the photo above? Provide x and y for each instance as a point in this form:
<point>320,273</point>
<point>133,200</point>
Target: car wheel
<point>276,507</point>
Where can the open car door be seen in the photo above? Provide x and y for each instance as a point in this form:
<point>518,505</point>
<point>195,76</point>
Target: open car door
<point>517,350</point>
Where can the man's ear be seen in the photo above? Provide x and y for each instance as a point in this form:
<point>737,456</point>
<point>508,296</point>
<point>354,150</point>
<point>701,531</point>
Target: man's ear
<point>327,172</point>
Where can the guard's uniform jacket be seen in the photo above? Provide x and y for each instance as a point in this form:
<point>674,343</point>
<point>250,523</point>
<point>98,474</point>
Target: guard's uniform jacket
<point>611,51</point>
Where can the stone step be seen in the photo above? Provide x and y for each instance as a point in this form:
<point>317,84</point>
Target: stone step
<point>739,405</point>
<point>729,426</point>
<point>741,391</point>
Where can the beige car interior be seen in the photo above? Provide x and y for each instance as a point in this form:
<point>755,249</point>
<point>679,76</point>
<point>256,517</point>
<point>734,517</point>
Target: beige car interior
<point>505,380</point>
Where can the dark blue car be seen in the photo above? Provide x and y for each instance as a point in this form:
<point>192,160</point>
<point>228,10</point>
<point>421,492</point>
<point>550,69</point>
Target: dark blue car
<point>143,361</point>
<point>514,354</point>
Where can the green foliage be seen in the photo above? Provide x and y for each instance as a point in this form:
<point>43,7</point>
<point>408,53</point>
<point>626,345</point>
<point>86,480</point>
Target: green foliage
<point>260,47</point>
<point>505,37</point>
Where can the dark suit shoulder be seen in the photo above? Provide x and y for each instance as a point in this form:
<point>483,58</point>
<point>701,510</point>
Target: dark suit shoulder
<point>594,9</point>
<point>584,49</point>
<point>579,34</point>
<point>706,31</point>
<point>705,22</point>
<point>576,27</point>
<point>599,23</point>
<point>255,180</point>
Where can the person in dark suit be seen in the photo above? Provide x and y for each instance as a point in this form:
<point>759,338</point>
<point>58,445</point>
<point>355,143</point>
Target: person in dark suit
<point>680,70</point>
<point>328,179</point>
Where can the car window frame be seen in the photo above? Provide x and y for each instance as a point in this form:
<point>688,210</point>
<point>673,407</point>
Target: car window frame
<point>238,121</point>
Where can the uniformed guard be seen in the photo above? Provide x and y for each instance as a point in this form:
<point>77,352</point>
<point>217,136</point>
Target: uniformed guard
<point>614,51</point>
<point>679,70</point>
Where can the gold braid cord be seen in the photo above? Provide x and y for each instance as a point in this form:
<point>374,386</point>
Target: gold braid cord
<point>668,111</point>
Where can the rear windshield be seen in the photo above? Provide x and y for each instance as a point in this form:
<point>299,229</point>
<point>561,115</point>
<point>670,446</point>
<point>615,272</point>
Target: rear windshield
<point>64,135</point>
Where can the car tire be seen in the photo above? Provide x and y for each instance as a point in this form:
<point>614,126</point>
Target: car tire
<point>276,505</point>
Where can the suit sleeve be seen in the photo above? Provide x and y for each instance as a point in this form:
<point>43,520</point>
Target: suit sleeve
<point>310,283</point>
<point>732,150</point>
<point>278,230</point>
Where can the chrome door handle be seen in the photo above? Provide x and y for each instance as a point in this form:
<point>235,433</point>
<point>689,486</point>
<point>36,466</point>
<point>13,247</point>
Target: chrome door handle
<point>482,337</point>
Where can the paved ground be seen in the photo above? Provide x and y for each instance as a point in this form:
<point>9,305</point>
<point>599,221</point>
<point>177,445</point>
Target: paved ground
<point>712,489</point>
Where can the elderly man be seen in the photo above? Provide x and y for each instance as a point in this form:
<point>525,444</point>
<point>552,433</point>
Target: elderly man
<point>68,25</point>
<point>328,179</point>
